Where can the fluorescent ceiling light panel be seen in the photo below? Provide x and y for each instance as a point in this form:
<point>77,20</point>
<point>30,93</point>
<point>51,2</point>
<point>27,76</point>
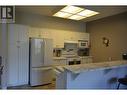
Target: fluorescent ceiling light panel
<point>76,17</point>
<point>75,13</point>
<point>87,13</point>
<point>62,14</point>
<point>72,9</point>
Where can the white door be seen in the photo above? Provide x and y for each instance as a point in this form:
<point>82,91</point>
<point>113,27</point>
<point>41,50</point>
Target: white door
<point>18,53</point>
<point>23,54</point>
<point>13,36</point>
<point>13,55</point>
<point>22,32</point>
<point>13,65</point>
<point>23,59</point>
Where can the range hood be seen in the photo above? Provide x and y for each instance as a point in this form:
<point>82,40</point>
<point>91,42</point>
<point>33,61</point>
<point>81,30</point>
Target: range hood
<point>71,42</point>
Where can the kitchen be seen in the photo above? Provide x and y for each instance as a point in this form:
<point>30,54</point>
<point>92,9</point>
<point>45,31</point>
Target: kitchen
<point>71,43</point>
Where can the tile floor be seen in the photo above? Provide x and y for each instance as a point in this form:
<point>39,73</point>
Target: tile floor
<point>27,87</point>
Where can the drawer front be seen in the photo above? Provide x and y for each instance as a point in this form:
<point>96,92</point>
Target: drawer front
<point>60,61</point>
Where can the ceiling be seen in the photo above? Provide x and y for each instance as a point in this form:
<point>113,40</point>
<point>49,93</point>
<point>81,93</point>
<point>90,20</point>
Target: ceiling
<point>50,10</point>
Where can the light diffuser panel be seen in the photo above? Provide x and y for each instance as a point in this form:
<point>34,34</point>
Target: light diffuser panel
<point>72,9</point>
<point>62,14</point>
<point>76,17</point>
<point>75,13</point>
<point>87,13</point>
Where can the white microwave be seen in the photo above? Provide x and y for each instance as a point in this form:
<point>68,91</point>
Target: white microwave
<point>83,44</point>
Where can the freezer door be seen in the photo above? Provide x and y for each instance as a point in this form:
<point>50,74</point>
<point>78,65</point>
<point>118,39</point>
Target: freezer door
<point>41,76</point>
<point>37,52</point>
<point>48,51</point>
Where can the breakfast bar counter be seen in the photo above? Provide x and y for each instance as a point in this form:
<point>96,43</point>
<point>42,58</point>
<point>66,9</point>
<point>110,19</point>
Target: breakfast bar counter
<point>95,66</point>
<point>102,75</point>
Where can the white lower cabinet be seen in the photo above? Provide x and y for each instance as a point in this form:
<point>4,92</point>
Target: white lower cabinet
<point>85,60</point>
<point>18,55</point>
<point>60,61</point>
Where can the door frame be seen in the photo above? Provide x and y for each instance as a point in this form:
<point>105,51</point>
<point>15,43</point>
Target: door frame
<point>4,54</point>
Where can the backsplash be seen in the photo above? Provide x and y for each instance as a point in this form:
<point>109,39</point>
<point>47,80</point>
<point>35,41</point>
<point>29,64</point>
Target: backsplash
<point>70,49</point>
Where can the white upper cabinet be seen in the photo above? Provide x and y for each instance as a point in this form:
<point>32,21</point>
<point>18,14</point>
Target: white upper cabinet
<point>40,33</point>
<point>34,32</point>
<point>75,36</point>
<point>13,35</point>
<point>58,39</point>
<point>46,33</point>
<point>58,36</point>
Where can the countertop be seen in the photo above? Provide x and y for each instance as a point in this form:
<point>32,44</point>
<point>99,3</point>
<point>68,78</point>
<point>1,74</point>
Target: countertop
<point>64,58</point>
<point>59,58</point>
<point>54,65</point>
<point>93,66</point>
<point>86,57</point>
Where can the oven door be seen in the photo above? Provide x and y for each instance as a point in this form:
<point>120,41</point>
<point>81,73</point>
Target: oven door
<point>74,62</point>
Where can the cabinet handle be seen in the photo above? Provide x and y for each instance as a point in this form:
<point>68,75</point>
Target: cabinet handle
<point>18,46</point>
<point>18,41</point>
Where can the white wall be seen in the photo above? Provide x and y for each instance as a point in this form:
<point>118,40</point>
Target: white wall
<point>36,20</point>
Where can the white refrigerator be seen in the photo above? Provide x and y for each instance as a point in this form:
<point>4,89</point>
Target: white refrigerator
<point>41,55</point>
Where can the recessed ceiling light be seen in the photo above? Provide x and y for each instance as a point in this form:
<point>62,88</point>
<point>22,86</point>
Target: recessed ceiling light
<point>75,13</point>
<point>87,13</point>
<point>62,14</point>
<point>76,17</point>
<point>72,9</point>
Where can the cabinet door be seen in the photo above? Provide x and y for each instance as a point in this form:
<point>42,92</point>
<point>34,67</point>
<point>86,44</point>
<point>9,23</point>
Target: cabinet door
<point>34,32</point>
<point>13,65</point>
<point>46,33</point>
<point>90,60</point>
<point>84,60</point>
<point>12,55</point>
<point>22,32</point>
<point>58,39</point>
<point>83,36</point>
<point>12,34</point>
<point>17,38</point>
<point>60,61</point>
<point>70,36</point>
<point>23,54</point>
<point>66,35</point>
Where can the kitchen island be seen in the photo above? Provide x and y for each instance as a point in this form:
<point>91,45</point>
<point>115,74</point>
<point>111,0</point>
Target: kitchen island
<point>101,75</point>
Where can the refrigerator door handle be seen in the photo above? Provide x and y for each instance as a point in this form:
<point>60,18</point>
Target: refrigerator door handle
<point>43,50</point>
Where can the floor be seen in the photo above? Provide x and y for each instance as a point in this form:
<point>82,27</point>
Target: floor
<point>27,87</point>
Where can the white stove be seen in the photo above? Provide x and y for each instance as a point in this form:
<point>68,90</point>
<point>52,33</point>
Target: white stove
<point>72,57</point>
